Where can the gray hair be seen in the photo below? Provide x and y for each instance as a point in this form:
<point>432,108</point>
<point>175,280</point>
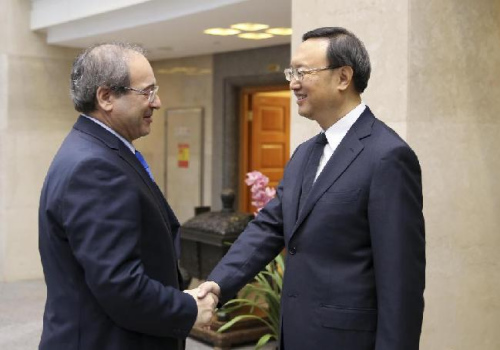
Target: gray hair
<point>101,65</point>
<point>345,49</point>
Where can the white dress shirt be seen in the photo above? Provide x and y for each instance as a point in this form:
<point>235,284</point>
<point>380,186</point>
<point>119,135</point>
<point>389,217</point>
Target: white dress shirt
<point>335,133</point>
<point>128,144</point>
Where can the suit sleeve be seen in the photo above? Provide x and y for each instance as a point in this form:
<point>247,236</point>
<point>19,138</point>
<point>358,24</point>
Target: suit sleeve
<point>259,243</point>
<point>398,241</point>
<point>102,216</point>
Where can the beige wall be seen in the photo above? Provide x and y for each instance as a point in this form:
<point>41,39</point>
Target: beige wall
<point>35,115</point>
<point>3,126</point>
<point>453,123</point>
<point>184,83</point>
<point>435,80</point>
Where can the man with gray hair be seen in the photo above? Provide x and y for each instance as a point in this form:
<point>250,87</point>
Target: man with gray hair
<point>108,238</point>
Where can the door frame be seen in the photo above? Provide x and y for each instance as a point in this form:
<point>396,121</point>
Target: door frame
<point>243,193</point>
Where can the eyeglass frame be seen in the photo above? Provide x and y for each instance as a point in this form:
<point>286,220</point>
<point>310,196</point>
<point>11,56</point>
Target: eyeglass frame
<point>151,93</point>
<point>298,75</point>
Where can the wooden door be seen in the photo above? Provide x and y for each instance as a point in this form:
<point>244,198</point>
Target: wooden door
<point>267,137</point>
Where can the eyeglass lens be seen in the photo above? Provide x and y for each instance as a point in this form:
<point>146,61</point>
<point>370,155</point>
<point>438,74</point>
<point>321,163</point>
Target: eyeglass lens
<point>291,73</point>
<point>152,93</point>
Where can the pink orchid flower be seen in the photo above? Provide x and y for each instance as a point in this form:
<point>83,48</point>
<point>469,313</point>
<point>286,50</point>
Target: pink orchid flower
<point>261,193</point>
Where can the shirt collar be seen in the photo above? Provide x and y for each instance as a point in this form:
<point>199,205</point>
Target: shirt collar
<point>128,144</point>
<point>342,126</point>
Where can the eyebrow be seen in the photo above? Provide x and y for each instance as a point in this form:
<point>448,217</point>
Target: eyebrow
<point>149,86</point>
<point>297,66</point>
<point>300,68</point>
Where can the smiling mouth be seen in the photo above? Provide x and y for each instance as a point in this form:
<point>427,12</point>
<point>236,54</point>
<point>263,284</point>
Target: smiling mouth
<point>300,98</point>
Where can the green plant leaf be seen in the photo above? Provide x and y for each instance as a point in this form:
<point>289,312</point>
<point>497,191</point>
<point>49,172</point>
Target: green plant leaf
<point>263,341</point>
<point>240,318</point>
<point>263,294</point>
<point>244,302</point>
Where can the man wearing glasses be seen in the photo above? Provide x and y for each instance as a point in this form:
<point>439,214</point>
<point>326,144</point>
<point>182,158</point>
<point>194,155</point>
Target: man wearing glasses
<point>108,238</point>
<point>349,212</point>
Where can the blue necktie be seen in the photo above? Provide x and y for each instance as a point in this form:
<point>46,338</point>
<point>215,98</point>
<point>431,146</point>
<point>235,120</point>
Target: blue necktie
<point>144,164</point>
<point>312,168</point>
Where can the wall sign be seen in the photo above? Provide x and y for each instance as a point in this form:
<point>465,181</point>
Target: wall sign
<point>183,155</point>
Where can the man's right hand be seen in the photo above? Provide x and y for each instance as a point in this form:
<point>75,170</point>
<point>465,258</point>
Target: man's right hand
<point>208,287</point>
<point>206,306</point>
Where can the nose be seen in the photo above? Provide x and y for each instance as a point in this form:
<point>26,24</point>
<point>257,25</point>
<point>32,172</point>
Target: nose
<point>156,104</point>
<point>294,84</point>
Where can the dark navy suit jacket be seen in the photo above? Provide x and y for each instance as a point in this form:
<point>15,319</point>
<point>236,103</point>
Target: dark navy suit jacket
<point>108,254</point>
<point>355,262</point>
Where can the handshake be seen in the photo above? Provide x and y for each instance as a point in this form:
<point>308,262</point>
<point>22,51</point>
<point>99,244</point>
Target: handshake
<point>206,297</point>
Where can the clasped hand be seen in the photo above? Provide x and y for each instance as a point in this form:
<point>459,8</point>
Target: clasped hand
<point>207,298</point>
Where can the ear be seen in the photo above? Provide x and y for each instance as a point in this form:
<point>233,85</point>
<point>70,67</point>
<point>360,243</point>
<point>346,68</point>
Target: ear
<point>345,77</point>
<point>104,98</point>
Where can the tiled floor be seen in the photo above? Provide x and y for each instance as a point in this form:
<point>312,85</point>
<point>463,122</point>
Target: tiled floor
<point>21,310</point>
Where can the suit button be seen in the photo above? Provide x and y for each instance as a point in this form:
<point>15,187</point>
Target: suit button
<point>292,250</point>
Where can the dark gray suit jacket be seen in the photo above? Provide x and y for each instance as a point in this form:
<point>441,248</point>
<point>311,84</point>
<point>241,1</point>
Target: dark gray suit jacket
<point>355,264</point>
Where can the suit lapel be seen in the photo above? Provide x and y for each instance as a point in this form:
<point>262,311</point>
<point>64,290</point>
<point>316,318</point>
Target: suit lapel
<point>164,208</point>
<point>130,158</point>
<point>297,191</point>
<point>87,126</point>
<point>347,151</point>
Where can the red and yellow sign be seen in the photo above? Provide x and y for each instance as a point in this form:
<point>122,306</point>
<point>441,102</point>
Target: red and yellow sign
<point>183,155</point>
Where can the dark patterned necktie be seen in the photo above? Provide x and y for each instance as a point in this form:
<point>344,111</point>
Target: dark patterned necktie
<point>144,164</point>
<point>311,168</point>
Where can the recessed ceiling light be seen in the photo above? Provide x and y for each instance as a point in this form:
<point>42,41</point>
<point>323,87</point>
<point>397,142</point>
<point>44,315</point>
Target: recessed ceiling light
<point>221,31</point>
<point>279,31</point>
<point>250,27</point>
<point>255,36</point>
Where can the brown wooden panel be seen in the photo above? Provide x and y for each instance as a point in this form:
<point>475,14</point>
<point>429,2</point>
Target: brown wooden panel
<point>272,155</point>
<point>273,118</point>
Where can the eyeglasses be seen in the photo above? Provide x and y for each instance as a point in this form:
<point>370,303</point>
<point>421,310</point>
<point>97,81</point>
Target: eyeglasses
<point>298,73</point>
<point>150,92</point>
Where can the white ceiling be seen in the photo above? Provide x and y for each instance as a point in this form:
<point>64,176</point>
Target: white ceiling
<point>170,28</point>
